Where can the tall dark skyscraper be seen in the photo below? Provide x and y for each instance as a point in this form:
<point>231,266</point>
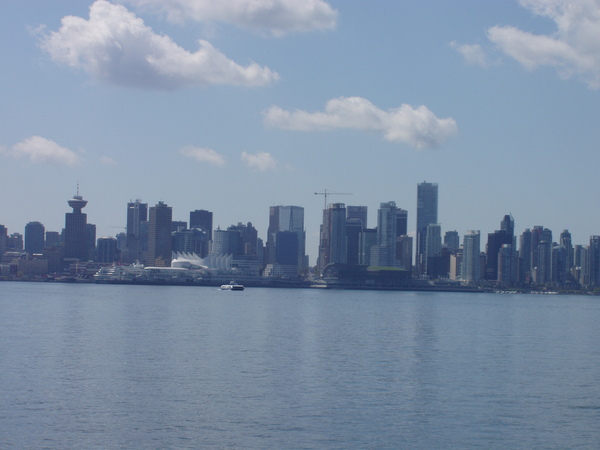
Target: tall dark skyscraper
<point>76,242</point>
<point>427,214</point>
<point>137,217</point>
<point>334,242</point>
<point>159,236</point>
<point>34,237</point>
<point>3,239</point>
<point>496,240</point>
<point>202,220</point>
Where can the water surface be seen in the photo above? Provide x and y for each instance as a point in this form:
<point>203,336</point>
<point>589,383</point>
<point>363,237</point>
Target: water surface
<point>102,366</point>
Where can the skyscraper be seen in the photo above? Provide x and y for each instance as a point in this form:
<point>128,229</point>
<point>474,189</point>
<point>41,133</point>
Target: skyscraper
<point>384,255</point>
<point>34,237</point>
<point>75,229</point>
<point>159,236</point>
<point>427,213</point>
<point>286,218</point>
<point>3,239</point>
<point>333,246</point>
<point>358,213</point>
<point>107,250</point>
<point>471,262</point>
<point>496,241</point>
<point>202,220</point>
<point>433,250</point>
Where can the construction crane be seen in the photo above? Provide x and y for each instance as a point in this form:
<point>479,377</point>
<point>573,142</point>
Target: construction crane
<point>325,194</point>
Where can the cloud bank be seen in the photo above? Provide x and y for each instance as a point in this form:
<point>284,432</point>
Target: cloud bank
<point>573,50</point>
<point>40,150</point>
<point>276,16</point>
<point>418,127</point>
<point>115,46</point>
<point>262,161</point>
<point>203,155</point>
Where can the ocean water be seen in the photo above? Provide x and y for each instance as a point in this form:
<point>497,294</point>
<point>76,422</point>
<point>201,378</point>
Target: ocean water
<point>101,366</point>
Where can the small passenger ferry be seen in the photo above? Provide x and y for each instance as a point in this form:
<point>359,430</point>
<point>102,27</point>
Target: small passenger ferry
<point>232,286</point>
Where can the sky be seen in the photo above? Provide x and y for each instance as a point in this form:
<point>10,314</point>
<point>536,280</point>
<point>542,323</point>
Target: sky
<point>238,105</point>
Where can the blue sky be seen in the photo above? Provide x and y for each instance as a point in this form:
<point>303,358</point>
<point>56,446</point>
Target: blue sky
<point>219,106</point>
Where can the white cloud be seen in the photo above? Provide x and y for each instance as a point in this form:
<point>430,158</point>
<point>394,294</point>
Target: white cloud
<point>40,150</point>
<point>574,49</point>
<point>203,155</point>
<point>115,46</point>
<point>262,161</point>
<point>473,54</point>
<point>418,126</point>
<point>107,161</point>
<point>276,16</point>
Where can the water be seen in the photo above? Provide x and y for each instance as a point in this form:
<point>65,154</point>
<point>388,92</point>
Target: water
<point>97,366</point>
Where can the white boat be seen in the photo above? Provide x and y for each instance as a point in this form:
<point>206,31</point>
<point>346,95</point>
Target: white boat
<point>232,286</point>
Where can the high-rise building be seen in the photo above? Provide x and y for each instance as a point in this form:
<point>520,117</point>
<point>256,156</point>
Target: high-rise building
<point>107,250</point>
<point>565,240</point>
<point>137,212</point>
<point>15,242</point>
<point>90,240</point>
<point>401,222</point>
<point>525,256</point>
<point>177,225</point>
<point>190,241</point>
<point>334,243</point>
<point>560,269</point>
<point>507,265</point>
<point>368,240</point>
<point>159,236</point>
<point>357,213</point>
<point>202,220</point>
<point>248,238</point>
<point>354,227</point>
<point>471,261</point>
<point>227,242</point>
<point>53,239</point>
<point>452,241</point>
<point>427,213</point>
<point>387,226</point>
<point>34,237</point>
<point>404,252</point>
<point>356,222</point>
<point>137,236</point>
<point>593,262</point>
<point>286,218</point>
<point>433,250</point>
<point>3,239</point>
<point>496,241</point>
<point>76,237</point>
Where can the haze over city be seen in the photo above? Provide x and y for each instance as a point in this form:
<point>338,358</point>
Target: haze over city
<point>233,110</point>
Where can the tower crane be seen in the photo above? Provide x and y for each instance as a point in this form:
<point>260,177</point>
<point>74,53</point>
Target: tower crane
<point>325,193</point>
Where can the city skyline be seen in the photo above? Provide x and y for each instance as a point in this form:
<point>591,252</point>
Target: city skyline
<point>354,97</point>
<point>134,218</point>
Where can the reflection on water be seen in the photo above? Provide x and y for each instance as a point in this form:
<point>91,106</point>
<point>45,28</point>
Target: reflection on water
<point>135,366</point>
